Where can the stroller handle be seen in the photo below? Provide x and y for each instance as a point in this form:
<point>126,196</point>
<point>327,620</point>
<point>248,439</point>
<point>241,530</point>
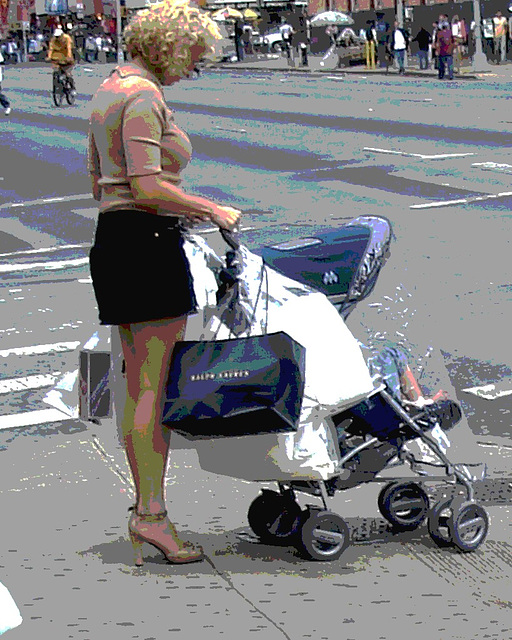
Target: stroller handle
<point>231,237</point>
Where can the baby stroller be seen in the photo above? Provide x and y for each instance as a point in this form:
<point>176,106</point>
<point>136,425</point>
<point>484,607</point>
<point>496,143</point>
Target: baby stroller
<point>372,429</point>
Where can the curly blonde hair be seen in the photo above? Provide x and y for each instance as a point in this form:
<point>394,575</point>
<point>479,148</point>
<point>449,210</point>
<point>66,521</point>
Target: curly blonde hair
<point>163,34</point>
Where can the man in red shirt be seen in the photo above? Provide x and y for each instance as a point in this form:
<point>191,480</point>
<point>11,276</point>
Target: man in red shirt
<point>444,46</point>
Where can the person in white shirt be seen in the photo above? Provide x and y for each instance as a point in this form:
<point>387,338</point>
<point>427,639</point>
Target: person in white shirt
<point>286,33</point>
<point>399,45</point>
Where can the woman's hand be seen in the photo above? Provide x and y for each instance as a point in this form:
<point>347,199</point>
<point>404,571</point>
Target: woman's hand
<point>225,217</point>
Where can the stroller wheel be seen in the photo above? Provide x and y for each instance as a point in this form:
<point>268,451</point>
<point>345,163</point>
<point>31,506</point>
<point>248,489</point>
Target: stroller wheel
<point>274,517</point>
<point>468,526</point>
<point>438,521</point>
<point>405,506</point>
<point>324,536</point>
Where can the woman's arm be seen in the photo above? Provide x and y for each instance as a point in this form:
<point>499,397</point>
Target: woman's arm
<point>93,161</point>
<point>154,192</point>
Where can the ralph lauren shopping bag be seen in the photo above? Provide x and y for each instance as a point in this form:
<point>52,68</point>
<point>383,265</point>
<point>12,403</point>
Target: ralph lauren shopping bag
<point>235,387</point>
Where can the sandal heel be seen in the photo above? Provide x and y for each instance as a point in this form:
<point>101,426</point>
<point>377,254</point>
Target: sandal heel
<point>137,543</point>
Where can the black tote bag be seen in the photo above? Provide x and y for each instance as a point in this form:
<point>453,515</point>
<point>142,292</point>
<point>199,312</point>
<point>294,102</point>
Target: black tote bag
<point>241,386</point>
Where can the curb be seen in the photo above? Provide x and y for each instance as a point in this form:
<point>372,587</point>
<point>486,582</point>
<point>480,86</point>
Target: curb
<point>343,72</point>
<point>263,67</point>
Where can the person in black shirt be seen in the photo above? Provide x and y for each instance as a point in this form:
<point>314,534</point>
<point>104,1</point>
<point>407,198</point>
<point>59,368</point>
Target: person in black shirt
<point>424,39</point>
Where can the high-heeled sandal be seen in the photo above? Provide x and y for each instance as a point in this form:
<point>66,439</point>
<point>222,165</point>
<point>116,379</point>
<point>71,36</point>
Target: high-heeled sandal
<point>165,538</point>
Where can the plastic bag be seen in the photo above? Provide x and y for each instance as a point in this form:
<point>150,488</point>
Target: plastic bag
<point>336,375</point>
<point>10,616</point>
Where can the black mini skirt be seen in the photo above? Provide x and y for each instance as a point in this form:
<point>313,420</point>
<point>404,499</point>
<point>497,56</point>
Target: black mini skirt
<point>139,269</point>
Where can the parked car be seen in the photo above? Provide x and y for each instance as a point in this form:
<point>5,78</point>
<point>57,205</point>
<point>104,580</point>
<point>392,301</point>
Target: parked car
<point>273,40</point>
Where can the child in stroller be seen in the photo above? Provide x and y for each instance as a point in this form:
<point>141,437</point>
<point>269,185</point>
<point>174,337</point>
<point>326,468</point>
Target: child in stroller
<point>391,365</point>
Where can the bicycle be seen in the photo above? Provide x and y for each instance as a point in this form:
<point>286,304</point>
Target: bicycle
<point>62,86</point>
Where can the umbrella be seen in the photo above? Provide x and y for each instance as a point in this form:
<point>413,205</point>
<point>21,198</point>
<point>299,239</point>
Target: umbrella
<point>227,14</point>
<point>331,17</point>
<point>249,14</point>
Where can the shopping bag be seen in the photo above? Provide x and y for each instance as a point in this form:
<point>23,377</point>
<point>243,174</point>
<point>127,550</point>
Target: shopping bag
<point>235,387</point>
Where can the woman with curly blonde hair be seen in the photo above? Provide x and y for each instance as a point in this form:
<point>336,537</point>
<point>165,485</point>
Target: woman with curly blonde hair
<point>140,273</point>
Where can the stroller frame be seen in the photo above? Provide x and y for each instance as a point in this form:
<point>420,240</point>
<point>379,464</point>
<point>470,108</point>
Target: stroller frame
<point>320,534</point>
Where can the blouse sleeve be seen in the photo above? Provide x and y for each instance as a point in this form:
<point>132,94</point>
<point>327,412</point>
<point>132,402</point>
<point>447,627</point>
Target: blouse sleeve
<point>142,130</point>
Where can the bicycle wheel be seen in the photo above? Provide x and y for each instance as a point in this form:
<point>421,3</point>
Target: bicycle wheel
<point>58,92</point>
<point>70,93</point>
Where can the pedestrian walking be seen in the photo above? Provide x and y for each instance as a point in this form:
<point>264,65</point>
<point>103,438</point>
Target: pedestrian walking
<point>460,35</point>
<point>140,273</point>
<point>399,44</point>
<point>500,37</point>
<point>247,40</point>
<point>13,51</point>
<point>6,105</point>
<point>370,44</point>
<point>287,32</point>
<point>302,38</point>
<point>424,40</point>
<point>434,60</point>
<point>382,31</point>
<point>90,49</point>
<point>79,35</point>
<point>445,45</point>
<point>239,47</point>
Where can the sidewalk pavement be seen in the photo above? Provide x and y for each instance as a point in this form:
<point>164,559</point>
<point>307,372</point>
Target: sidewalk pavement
<point>278,62</point>
<point>66,558</point>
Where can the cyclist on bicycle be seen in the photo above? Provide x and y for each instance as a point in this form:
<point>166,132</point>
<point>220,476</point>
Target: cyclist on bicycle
<point>60,53</point>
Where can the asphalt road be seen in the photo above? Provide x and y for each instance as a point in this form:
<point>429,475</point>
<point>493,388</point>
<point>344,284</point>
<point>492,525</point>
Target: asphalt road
<point>297,154</point>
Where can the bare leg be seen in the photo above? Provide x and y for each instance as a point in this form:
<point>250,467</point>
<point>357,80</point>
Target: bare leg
<point>147,349</point>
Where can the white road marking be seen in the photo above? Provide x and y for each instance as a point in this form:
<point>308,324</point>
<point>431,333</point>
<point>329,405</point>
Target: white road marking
<point>51,266</point>
<point>30,418</point>
<point>39,201</point>
<point>422,156</point>
<point>448,203</point>
<point>40,349</point>
<point>233,130</point>
<point>492,391</point>
<point>493,166</point>
<point>62,247</point>
<point>11,385</point>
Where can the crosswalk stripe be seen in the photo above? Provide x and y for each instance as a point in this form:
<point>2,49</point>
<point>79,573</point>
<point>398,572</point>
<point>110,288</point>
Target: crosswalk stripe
<point>492,391</point>
<point>40,201</point>
<point>58,264</point>
<point>58,247</point>
<point>11,385</point>
<point>30,418</point>
<point>39,349</point>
